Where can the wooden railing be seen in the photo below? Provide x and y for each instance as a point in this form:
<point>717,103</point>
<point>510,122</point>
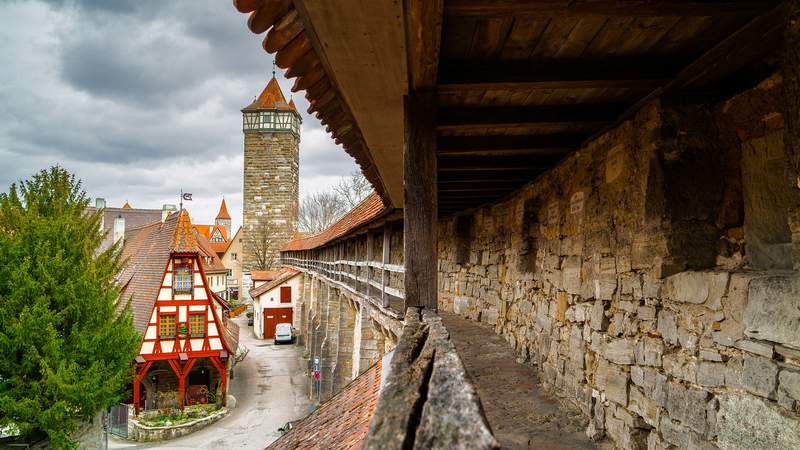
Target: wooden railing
<point>351,263</point>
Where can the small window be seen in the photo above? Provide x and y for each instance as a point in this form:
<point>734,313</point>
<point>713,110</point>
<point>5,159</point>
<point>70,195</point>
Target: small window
<point>234,256</point>
<point>197,325</point>
<point>182,279</point>
<point>166,326</point>
<point>286,294</point>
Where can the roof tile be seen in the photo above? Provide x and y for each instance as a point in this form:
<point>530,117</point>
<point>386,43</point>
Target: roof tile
<point>371,208</point>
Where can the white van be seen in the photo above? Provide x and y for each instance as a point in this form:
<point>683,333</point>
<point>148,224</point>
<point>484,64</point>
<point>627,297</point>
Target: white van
<point>283,333</point>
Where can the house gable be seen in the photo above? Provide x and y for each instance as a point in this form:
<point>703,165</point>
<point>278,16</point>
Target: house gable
<point>180,308</point>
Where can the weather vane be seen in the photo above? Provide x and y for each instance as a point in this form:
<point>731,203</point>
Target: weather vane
<point>273,67</point>
<point>185,196</point>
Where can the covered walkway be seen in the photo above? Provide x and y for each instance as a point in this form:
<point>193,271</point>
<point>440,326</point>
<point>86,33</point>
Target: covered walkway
<point>520,414</point>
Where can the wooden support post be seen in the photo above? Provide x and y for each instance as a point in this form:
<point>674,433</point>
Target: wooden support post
<point>419,183</point>
<point>387,242</point>
<point>137,381</point>
<point>370,257</point>
<point>223,374</point>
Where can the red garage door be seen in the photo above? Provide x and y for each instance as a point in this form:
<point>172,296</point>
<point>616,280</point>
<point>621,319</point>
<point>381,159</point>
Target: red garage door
<point>274,316</point>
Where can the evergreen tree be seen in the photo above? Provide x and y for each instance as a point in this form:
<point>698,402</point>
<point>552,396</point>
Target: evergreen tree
<point>66,349</point>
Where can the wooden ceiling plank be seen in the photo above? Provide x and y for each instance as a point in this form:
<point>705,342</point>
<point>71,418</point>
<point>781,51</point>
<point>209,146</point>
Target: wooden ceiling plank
<point>523,37</point>
<point>423,21</point>
<point>463,76</point>
<point>632,8</point>
<point>504,116</point>
<point>508,142</point>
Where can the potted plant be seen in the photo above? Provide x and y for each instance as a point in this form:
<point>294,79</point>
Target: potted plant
<point>182,330</point>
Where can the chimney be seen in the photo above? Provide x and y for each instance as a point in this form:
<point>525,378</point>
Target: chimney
<point>119,228</point>
<point>166,210</point>
<point>100,203</point>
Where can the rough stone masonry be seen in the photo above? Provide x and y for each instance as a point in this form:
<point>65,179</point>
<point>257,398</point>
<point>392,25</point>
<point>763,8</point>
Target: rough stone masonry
<point>648,277</point>
<point>271,190</point>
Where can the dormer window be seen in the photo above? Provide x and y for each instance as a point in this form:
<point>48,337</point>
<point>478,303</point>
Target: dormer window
<point>182,279</point>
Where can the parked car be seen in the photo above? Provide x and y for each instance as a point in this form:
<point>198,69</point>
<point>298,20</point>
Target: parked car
<point>283,333</point>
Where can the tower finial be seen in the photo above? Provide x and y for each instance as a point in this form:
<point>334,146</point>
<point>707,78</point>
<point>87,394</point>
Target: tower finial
<point>273,67</point>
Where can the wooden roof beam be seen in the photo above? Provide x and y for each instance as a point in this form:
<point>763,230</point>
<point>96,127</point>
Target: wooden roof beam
<point>513,164</point>
<point>757,38</point>
<point>423,21</point>
<point>626,8</point>
<point>646,73</point>
<point>466,119</point>
<point>544,144</point>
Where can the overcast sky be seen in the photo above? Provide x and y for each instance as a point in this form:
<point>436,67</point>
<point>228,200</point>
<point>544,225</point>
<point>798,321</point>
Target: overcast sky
<point>140,98</point>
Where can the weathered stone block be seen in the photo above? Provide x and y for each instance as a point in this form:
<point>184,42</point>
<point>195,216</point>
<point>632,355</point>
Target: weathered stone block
<point>599,321</point>
<point>744,421</point>
<point>668,326</point>
<point>648,351</point>
<point>697,287</point>
<point>711,355</point>
<point>680,366</point>
<point>789,383</point>
<point>688,406</point>
<point>759,376</point>
<point>764,349</point>
<point>711,374</point>
<point>619,351</point>
<point>612,380</point>
<point>644,406</point>
<point>772,311</point>
<point>645,312</point>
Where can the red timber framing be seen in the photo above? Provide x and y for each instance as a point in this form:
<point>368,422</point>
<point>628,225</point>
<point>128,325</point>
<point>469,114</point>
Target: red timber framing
<point>181,358</point>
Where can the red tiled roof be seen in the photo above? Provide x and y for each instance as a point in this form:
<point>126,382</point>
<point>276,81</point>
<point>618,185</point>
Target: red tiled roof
<point>271,98</point>
<point>341,422</point>
<point>223,211</point>
<point>127,206</point>
<point>220,247</point>
<point>371,208</point>
<point>208,230</point>
<point>282,278</point>
<point>207,249</point>
<point>264,275</point>
<point>185,239</point>
<point>147,249</point>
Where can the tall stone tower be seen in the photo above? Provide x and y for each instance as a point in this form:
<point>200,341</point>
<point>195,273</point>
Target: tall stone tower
<point>271,177</point>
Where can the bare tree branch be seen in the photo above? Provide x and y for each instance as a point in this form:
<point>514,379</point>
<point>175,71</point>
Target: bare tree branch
<point>320,210</point>
<point>262,247</point>
<point>353,189</point>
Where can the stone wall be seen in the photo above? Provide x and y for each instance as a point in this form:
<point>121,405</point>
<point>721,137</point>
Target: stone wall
<point>627,276</point>
<point>347,331</point>
<point>271,190</point>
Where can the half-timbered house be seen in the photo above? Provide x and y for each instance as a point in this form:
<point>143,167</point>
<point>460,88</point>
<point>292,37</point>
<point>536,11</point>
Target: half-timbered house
<point>187,342</point>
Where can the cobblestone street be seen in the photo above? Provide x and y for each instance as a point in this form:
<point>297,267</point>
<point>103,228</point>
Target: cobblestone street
<point>270,390</point>
<point>520,415</point>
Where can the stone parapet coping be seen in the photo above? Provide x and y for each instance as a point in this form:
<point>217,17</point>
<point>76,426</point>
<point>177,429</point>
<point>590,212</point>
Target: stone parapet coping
<point>428,401</point>
<point>143,433</point>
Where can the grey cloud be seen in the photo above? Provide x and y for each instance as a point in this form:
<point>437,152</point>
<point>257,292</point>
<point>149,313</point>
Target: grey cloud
<point>139,99</point>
